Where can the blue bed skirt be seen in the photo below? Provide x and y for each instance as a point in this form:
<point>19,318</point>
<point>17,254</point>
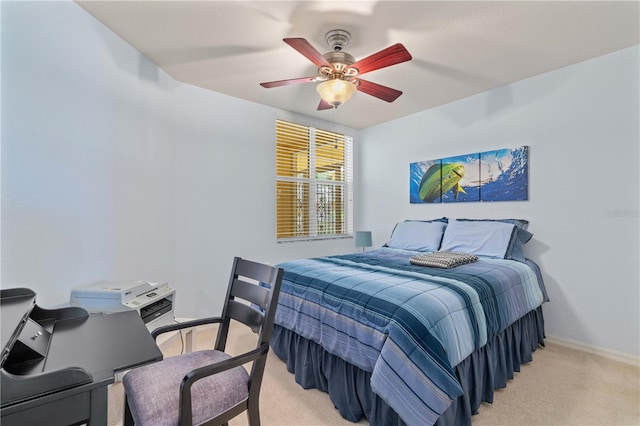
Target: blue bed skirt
<point>488,368</point>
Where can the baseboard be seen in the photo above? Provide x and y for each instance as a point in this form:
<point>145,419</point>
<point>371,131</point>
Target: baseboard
<point>187,335</point>
<point>201,327</point>
<point>595,350</point>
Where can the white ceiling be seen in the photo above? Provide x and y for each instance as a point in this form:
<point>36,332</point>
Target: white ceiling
<point>459,48</point>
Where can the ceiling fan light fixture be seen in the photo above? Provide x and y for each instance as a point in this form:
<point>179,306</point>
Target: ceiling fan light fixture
<point>340,72</point>
<point>336,91</point>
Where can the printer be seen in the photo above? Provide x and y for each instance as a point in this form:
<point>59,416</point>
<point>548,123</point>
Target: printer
<point>153,301</point>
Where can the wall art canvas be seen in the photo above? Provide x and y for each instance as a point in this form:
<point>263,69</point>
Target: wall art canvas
<point>498,175</point>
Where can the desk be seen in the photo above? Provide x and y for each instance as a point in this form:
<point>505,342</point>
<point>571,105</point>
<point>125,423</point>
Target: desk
<point>58,393</point>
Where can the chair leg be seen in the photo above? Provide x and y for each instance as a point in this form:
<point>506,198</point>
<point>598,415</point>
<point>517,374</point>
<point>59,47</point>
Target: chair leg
<point>253,413</point>
<point>128,417</point>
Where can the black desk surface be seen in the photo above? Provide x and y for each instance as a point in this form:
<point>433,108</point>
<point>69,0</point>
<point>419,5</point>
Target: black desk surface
<point>56,364</point>
<point>102,344</point>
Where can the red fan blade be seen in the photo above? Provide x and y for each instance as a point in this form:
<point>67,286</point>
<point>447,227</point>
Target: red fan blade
<point>279,83</point>
<point>308,51</point>
<point>324,105</point>
<point>390,56</point>
<point>379,91</point>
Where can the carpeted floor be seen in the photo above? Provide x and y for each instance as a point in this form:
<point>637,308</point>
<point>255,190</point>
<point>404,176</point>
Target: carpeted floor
<point>560,387</point>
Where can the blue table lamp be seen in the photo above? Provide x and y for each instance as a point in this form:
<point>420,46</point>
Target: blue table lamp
<point>363,239</point>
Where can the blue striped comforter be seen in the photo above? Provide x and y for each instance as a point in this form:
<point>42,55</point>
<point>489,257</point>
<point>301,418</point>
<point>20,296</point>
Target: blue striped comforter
<point>407,325</point>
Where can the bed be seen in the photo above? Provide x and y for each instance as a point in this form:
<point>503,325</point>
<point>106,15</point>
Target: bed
<point>398,342</point>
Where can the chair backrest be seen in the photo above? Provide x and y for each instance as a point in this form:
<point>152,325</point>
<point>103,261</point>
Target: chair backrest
<point>252,298</point>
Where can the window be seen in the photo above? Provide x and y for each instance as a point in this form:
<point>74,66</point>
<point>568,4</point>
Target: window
<point>314,181</point>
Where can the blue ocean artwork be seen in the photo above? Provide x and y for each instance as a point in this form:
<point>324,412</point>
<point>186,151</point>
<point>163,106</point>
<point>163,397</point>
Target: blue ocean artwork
<point>464,169</point>
<point>499,175</point>
<point>506,175</point>
<point>416,173</point>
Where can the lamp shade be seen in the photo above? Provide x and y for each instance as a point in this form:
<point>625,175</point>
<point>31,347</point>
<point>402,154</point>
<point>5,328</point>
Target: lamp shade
<point>336,91</point>
<point>363,239</point>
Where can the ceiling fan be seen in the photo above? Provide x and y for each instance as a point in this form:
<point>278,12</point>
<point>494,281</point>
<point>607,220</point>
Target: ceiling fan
<point>339,72</point>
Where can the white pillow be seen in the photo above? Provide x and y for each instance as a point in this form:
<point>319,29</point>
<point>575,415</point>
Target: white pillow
<point>416,235</point>
<point>480,238</point>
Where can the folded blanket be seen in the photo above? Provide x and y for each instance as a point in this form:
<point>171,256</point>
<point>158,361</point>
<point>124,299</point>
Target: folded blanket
<point>443,259</point>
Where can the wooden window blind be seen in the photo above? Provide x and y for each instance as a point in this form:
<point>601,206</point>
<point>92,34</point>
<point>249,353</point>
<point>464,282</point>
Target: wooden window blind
<point>314,183</point>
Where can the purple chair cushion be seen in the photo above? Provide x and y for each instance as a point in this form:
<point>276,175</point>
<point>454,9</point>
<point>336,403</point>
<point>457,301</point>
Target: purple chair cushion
<point>153,391</point>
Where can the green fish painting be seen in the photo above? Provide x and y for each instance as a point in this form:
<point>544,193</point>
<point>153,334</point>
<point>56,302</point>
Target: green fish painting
<point>439,179</point>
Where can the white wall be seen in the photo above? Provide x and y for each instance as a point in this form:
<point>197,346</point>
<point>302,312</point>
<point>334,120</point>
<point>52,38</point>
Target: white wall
<point>87,155</point>
<point>581,123</point>
<point>111,170</point>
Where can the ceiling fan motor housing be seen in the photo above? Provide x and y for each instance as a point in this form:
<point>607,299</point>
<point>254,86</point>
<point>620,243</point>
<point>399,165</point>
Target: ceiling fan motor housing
<point>337,39</point>
<point>338,58</point>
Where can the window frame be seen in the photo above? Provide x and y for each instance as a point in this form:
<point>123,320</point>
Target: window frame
<point>315,185</point>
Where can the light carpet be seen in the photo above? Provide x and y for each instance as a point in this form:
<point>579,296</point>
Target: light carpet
<point>561,386</point>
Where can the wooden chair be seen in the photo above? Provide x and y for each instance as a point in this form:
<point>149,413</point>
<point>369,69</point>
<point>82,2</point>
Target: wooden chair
<point>210,387</point>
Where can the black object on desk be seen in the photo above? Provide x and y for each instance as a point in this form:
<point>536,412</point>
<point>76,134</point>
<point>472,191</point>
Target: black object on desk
<point>57,363</point>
